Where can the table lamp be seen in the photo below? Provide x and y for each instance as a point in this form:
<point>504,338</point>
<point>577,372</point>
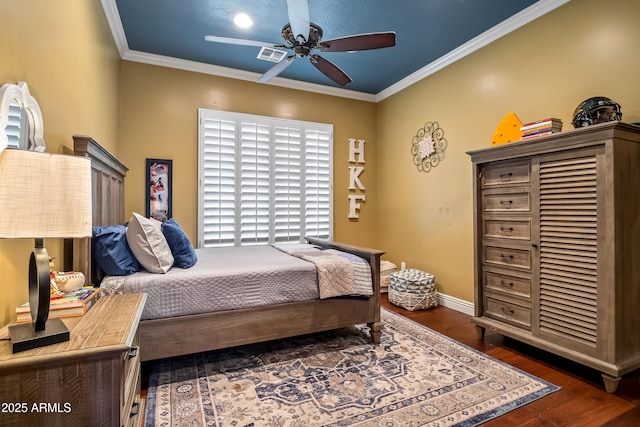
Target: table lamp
<point>42,196</point>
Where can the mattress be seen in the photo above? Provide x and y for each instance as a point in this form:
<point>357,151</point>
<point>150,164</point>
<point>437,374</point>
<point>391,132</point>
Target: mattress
<point>226,278</point>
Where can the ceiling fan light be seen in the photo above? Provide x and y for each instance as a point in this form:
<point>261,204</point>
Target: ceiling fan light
<point>243,20</point>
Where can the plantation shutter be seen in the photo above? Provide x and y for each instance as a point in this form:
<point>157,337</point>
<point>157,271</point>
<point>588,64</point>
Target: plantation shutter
<point>317,184</point>
<point>217,170</point>
<point>263,180</point>
<point>254,183</point>
<point>288,181</point>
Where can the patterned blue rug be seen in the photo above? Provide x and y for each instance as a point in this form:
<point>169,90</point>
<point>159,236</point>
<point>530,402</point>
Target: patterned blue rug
<point>415,377</point>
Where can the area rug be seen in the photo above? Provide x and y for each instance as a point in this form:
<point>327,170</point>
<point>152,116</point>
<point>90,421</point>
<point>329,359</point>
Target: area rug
<point>415,377</point>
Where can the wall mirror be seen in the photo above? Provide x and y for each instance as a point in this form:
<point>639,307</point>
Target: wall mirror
<point>20,119</point>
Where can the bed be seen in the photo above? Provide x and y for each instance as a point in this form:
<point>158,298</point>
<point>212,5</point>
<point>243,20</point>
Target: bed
<point>181,333</point>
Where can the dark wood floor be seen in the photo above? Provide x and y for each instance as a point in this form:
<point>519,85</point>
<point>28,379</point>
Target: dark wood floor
<point>582,401</point>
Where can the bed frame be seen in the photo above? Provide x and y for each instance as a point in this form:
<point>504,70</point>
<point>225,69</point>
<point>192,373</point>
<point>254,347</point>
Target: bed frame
<point>175,336</point>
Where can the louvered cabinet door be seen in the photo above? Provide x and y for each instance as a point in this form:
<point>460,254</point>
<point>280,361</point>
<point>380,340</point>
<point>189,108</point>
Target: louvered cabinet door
<point>567,266</point>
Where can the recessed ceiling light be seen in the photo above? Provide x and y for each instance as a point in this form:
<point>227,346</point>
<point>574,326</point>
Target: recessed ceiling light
<point>243,20</point>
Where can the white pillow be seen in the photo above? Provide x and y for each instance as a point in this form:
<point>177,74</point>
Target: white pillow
<point>148,244</point>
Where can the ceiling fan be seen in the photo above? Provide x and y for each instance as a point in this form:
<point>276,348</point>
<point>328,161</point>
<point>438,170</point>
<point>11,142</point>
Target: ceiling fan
<point>303,36</point>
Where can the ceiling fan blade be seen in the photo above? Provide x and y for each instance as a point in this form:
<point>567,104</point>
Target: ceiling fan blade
<point>276,69</point>
<point>359,42</point>
<point>330,70</point>
<point>299,18</point>
<point>242,42</point>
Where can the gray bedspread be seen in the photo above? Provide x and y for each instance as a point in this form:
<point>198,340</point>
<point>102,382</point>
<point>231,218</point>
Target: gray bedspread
<point>222,279</point>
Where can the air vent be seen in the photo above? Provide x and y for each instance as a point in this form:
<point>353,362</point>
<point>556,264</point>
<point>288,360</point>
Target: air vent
<point>271,54</point>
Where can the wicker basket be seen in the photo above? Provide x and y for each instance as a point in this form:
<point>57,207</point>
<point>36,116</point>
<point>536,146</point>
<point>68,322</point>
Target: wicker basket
<point>413,290</point>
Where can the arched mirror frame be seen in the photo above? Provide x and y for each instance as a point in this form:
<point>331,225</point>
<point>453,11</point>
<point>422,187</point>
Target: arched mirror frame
<point>19,94</point>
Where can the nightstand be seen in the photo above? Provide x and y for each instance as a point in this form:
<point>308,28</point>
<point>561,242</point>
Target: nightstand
<point>92,379</point>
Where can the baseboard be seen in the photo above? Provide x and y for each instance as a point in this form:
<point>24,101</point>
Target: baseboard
<point>453,303</point>
<point>457,304</point>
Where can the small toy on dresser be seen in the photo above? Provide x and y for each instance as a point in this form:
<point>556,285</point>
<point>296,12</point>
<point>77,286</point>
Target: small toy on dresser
<point>64,281</point>
<point>68,281</point>
<point>508,130</point>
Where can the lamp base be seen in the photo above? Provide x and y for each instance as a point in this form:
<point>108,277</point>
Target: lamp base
<point>24,337</point>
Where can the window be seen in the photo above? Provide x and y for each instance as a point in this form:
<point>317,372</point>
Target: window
<point>262,180</point>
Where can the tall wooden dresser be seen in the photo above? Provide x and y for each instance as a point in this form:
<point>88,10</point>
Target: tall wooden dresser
<point>91,380</point>
<point>557,245</point>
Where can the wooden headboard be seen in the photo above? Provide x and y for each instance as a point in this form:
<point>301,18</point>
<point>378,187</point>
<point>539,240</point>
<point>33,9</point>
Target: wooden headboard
<point>107,187</point>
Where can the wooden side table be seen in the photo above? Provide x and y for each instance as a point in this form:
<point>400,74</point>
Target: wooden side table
<point>91,380</point>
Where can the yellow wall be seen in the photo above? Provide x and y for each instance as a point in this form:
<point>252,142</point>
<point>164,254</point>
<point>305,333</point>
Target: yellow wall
<point>158,117</point>
<point>65,52</point>
<point>582,49</point>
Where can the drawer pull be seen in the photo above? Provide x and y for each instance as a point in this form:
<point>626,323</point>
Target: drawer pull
<point>503,283</point>
<point>506,258</point>
<point>135,408</point>
<point>506,310</point>
<point>506,203</point>
<point>506,230</point>
<point>506,176</point>
<point>133,352</point>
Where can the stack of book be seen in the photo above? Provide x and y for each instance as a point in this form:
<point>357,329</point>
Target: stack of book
<point>70,304</point>
<point>540,128</point>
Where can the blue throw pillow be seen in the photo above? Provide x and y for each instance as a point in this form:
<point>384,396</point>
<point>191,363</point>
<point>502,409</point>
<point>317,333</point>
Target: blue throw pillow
<point>111,250</point>
<point>184,255</point>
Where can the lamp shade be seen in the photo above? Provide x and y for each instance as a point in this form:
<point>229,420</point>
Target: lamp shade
<point>44,195</point>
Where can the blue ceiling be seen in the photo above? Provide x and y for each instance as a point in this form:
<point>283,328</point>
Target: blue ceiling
<point>427,31</point>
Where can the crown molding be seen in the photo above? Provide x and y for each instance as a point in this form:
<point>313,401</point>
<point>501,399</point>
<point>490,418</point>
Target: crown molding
<point>199,67</point>
<point>115,24</point>
<point>518,20</point>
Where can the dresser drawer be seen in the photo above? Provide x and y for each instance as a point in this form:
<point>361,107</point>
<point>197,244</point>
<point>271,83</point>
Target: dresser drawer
<point>519,201</point>
<point>507,257</point>
<point>515,314</point>
<point>508,229</point>
<point>508,284</point>
<point>506,173</point>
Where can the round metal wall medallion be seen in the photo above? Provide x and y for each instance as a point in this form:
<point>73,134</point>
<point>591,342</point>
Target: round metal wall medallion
<point>428,146</point>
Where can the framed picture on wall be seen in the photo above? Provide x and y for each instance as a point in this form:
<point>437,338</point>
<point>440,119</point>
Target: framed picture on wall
<point>159,189</point>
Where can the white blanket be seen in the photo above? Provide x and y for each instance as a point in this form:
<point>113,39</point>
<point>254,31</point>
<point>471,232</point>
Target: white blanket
<point>339,273</point>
